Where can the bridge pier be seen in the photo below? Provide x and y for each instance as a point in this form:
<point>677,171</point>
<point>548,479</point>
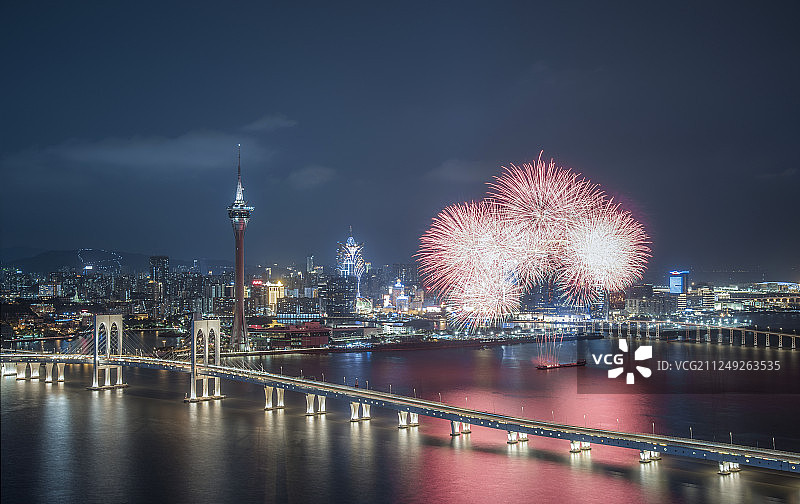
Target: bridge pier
<point>60,366</point>
<point>413,420</point>
<point>268,404</point>
<point>21,368</point>
<point>766,339</point>
<point>310,404</point>
<point>574,446</point>
<point>585,445</point>
<point>726,468</point>
<point>647,456</point>
<point>48,372</point>
<point>793,343</point>
<point>465,428</point>
<point>780,341</point>
<point>321,405</point>
<point>205,395</point>
<point>512,437</point>
<point>267,398</point>
<point>455,428</point>
<point>402,419</point>
<point>354,406</point>
<point>35,370</point>
<point>522,437</point>
<point>9,369</point>
<point>365,408</point>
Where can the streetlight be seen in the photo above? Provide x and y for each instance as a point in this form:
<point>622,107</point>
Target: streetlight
<point>691,434</point>
<point>390,388</point>
<point>553,413</point>
<point>415,392</point>
<point>323,376</point>
<point>654,428</point>
<point>584,420</point>
<point>731,435</point>
<point>617,423</point>
<point>440,397</point>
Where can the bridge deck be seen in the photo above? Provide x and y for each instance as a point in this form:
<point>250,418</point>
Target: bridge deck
<point>665,445</point>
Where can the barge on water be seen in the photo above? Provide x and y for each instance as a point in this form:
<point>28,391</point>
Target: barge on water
<point>579,362</point>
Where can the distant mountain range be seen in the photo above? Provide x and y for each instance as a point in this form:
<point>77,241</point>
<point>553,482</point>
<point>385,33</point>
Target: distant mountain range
<point>43,261</point>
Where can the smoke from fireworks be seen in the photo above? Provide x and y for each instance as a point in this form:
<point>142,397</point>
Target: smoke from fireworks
<point>540,223</point>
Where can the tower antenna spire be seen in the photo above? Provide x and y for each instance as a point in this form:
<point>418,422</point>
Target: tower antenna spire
<point>239,160</point>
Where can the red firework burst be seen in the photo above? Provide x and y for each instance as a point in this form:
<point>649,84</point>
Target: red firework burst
<point>606,250</point>
<point>465,256</point>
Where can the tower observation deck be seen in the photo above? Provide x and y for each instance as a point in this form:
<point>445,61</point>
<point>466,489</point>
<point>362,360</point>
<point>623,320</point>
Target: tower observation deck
<point>239,213</point>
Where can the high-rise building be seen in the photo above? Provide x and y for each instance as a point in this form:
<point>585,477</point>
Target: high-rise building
<point>159,275</point>
<point>349,261</point>
<point>340,296</point>
<point>679,282</point>
<point>310,264</point>
<point>239,214</point>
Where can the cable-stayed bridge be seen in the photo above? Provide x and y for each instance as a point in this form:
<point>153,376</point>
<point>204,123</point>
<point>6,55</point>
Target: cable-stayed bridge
<point>204,367</point>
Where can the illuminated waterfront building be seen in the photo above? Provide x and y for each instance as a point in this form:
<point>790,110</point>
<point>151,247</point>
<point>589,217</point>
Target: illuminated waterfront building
<point>349,261</point>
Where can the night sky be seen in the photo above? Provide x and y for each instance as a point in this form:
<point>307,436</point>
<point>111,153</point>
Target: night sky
<point>120,120</point>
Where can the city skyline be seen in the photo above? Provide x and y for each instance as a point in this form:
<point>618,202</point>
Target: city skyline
<point>702,151</point>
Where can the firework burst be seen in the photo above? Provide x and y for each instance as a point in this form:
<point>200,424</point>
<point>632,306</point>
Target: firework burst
<point>545,198</point>
<point>465,256</point>
<point>540,223</point>
<point>606,251</point>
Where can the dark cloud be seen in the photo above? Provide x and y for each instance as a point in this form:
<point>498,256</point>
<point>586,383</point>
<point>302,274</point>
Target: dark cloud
<point>192,151</point>
<point>459,171</point>
<point>311,176</point>
<point>270,123</point>
<point>787,173</point>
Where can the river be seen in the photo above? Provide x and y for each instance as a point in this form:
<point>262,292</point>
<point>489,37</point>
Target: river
<point>62,443</point>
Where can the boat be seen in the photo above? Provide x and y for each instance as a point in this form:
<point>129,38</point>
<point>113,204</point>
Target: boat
<point>579,362</point>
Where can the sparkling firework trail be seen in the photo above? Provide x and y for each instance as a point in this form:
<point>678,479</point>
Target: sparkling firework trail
<point>545,201</point>
<point>465,256</point>
<point>541,223</point>
<point>606,251</point>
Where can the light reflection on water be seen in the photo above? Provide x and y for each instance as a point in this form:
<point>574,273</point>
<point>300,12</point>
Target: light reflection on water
<point>143,443</point>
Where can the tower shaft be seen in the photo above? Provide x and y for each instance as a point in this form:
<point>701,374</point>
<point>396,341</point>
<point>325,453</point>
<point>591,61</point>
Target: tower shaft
<point>239,337</point>
<point>239,213</point>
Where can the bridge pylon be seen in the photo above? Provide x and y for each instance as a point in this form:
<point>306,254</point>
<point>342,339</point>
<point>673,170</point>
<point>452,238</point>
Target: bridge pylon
<point>203,333</point>
<point>107,328</point>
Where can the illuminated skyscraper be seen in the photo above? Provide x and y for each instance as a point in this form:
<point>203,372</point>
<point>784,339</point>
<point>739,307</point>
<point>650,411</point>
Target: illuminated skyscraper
<point>349,261</point>
<point>239,213</point>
